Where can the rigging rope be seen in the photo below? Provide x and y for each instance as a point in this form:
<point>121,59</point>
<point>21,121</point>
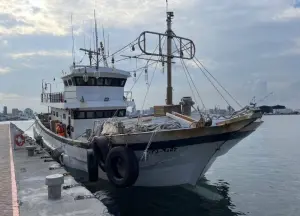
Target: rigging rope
<point>147,91</point>
<point>213,84</point>
<point>151,78</point>
<point>119,50</point>
<point>196,62</point>
<point>147,64</point>
<point>187,72</point>
<point>219,84</point>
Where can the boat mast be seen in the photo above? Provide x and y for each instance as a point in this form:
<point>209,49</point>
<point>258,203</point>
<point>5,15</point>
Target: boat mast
<point>73,46</point>
<point>169,32</point>
<point>97,49</point>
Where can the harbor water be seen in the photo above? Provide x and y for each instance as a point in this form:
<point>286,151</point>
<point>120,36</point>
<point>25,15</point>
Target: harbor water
<point>259,176</point>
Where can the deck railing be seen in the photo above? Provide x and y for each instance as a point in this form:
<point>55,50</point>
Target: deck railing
<point>57,97</point>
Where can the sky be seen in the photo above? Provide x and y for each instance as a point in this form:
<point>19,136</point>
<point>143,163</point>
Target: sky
<point>251,47</point>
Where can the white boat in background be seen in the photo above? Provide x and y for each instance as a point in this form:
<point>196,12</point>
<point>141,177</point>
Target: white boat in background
<point>168,148</point>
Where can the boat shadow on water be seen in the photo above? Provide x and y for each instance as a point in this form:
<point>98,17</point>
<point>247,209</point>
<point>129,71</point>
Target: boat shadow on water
<point>204,199</point>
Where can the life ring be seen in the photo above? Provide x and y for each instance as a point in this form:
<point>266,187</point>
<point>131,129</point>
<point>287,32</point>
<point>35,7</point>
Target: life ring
<point>19,140</point>
<point>101,149</point>
<point>122,167</point>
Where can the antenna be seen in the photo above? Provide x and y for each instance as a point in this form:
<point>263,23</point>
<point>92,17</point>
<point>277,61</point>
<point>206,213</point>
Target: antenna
<point>108,44</point>
<point>96,35</point>
<point>83,35</point>
<point>167,6</point>
<point>103,47</point>
<point>73,51</point>
<point>93,36</point>
<point>103,36</point>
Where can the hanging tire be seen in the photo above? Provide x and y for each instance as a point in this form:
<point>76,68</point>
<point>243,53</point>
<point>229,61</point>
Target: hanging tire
<point>92,166</point>
<point>122,167</point>
<point>101,149</point>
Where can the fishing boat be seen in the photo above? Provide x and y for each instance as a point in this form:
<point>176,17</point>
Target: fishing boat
<point>164,149</point>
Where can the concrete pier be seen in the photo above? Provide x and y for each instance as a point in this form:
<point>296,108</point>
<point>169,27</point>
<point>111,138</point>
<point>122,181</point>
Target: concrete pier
<point>23,188</point>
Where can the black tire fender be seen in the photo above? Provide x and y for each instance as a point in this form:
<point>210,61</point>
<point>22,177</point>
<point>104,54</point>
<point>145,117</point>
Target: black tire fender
<point>129,167</point>
<point>101,149</point>
<point>92,165</point>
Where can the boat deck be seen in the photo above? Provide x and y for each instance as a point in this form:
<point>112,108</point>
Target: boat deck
<point>23,189</point>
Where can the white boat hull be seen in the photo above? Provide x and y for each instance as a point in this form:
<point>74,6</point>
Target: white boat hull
<point>183,165</point>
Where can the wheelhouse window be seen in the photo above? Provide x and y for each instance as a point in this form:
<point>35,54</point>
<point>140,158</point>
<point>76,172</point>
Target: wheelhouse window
<point>66,83</point>
<point>99,82</point>
<point>121,113</point>
<point>79,115</point>
<point>70,82</point>
<point>79,81</point>
<point>91,81</point>
<point>64,116</point>
<point>99,114</point>
<point>122,82</point>
<point>107,81</point>
<point>90,115</point>
<point>96,114</point>
<point>109,113</point>
<point>102,81</point>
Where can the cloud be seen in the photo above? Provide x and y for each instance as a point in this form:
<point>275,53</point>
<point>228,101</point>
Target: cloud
<point>249,46</point>
<point>208,64</point>
<point>4,42</point>
<point>56,53</point>
<point>288,14</point>
<point>4,70</point>
<point>53,17</point>
<point>292,50</point>
<point>9,96</point>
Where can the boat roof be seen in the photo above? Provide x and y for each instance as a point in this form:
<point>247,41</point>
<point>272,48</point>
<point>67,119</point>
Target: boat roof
<point>93,71</point>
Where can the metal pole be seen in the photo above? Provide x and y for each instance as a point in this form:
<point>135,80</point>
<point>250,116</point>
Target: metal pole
<point>169,58</point>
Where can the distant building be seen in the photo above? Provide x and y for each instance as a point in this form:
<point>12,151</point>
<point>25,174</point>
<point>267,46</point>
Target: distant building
<point>5,110</point>
<point>28,112</point>
<point>283,111</point>
<point>266,109</point>
<point>15,112</point>
<point>151,110</point>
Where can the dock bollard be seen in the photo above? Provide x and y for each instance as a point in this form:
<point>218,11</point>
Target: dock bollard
<point>30,149</point>
<point>54,183</point>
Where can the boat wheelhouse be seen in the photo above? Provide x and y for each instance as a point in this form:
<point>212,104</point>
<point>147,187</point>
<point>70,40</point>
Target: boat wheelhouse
<point>89,95</point>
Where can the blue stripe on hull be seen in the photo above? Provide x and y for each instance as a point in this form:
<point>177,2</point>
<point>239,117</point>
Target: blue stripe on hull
<point>191,141</point>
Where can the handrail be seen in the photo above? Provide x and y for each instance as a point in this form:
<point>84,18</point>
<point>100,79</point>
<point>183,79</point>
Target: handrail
<point>56,97</point>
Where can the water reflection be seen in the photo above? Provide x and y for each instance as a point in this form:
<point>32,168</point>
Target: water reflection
<point>166,201</point>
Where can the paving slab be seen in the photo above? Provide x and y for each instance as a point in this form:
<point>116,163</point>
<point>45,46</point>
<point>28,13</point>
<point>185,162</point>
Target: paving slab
<point>23,188</point>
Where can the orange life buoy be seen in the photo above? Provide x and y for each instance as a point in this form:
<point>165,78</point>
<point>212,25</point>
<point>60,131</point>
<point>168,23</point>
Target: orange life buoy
<point>19,140</point>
